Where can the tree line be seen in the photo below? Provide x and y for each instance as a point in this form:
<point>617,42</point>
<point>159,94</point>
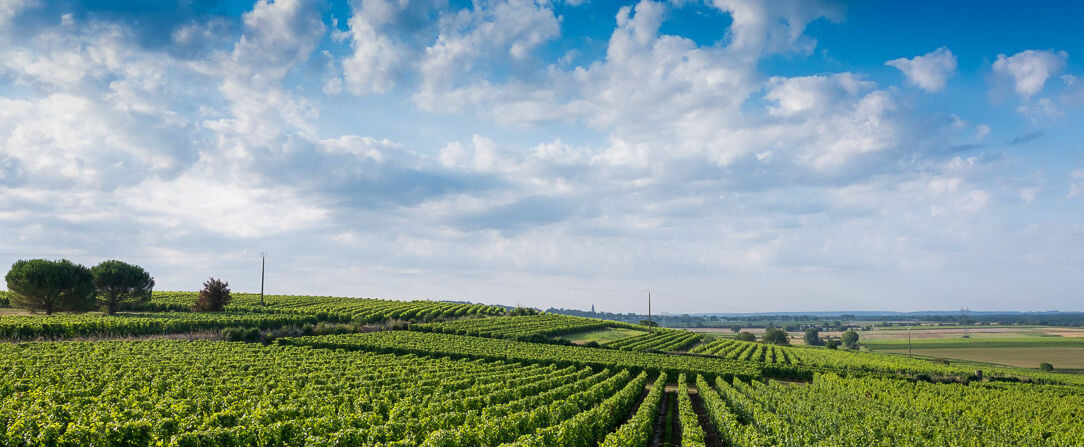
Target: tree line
<point>41,285</point>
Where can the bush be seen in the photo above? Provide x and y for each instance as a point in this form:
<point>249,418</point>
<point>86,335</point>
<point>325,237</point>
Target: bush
<point>251,335</point>
<point>214,297</point>
<point>831,344</point>
<point>1044,366</point>
<point>746,336</point>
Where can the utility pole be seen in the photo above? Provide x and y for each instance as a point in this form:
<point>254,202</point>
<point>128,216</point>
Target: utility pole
<point>649,327</point>
<point>263,263</point>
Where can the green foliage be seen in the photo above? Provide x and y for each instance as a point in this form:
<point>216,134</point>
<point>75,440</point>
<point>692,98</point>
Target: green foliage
<point>661,340</point>
<point>850,339</point>
<point>836,410</point>
<point>214,297</point>
<point>638,430</point>
<point>250,335</point>
<point>692,435</point>
<point>411,342</point>
<point>28,327</point>
<point>518,311</point>
<point>50,286</point>
<point>812,337</point>
<point>831,344</point>
<point>746,336</point>
<point>1044,366</point>
<point>203,393</point>
<point>329,308</point>
<point>534,328</point>
<point>119,283</point>
<point>776,336</point>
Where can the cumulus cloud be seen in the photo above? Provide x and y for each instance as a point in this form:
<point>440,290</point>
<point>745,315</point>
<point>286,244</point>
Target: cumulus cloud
<point>654,154</point>
<point>774,26</point>
<point>1030,69</point>
<point>929,71</point>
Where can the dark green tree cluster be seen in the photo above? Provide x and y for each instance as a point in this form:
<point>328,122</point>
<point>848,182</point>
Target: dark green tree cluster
<point>813,337</point>
<point>746,336</point>
<point>41,285</point>
<point>776,336</point>
<point>850,339</point>
<point>119,283</point>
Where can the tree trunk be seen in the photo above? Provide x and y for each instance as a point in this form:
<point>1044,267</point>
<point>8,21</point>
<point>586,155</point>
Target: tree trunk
<point>112,306</point>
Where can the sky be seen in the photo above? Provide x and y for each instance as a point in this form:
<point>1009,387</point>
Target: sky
<point>730,155</point>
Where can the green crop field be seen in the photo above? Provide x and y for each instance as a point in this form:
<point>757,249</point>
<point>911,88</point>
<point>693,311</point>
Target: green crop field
<point>429,373</point>
<point>602,335</point>
<point>1026,357</point>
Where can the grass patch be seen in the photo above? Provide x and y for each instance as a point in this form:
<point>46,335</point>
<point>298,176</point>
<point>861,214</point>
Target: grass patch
<point>601,336</point>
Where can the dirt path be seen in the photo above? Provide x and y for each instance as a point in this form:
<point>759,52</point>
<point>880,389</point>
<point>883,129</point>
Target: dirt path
<point>711,435</point>
<point>667,427</point>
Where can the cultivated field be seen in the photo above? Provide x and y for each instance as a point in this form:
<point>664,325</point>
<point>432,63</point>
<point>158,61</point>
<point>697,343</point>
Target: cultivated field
<point>1066,357</point>
<point>346,372</point>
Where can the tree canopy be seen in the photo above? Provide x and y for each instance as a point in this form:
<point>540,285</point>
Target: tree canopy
<point>850,339</point>
<point>776,336</point>
<point>120,283</point>
<point>813,337</point>
<point>746,336</point>
<point>50,286</point>
<point>214,297</point>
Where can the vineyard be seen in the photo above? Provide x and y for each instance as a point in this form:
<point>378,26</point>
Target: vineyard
<point>519,327</point>
<point>26,327</point>
<point>332,309</point>
<point>450,374</point>
<point>814,360</point>
<point>662,340</point>
<point>446,345</point>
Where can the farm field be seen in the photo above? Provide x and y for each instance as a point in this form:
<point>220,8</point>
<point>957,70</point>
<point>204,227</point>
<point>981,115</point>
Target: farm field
<point>1029,357</point>
<point>345,372</point>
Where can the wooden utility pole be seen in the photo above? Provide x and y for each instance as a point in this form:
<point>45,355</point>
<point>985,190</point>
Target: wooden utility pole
<point>263,263</point>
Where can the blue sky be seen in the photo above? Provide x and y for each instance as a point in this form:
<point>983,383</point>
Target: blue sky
<point>733,155</point>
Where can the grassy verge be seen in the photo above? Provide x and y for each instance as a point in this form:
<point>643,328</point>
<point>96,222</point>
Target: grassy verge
<point>601,335</point>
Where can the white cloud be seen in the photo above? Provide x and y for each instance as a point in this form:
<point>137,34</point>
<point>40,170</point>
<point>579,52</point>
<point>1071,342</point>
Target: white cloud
<point>11,8</point>
<point>930,71</point>
<point>472,43</point>
<point>774,26</point>
<point>1030,69</point>
<point>1076,184</point>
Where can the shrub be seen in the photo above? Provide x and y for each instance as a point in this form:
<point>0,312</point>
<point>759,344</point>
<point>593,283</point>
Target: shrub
<point>214,297</point>
<point>1044,366</point>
